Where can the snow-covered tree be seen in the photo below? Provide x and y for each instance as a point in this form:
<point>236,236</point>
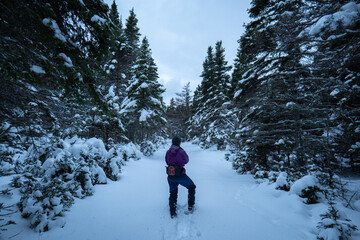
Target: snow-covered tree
<point>210,117</point>
<point>334,33</point>
<point>143,108</point>
<point>132,44</point>
<point>57,71</point>
<point>179,112</point>
<point>293,111</point>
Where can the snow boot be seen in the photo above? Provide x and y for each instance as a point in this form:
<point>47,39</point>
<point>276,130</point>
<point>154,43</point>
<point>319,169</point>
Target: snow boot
<point>173,203</point>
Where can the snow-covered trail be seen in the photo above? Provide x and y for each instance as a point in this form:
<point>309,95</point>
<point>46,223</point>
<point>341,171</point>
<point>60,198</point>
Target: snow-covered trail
<point>229,206</point>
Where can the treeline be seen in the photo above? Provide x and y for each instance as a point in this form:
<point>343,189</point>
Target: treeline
<point>292,101</point>
<point>72,68</point>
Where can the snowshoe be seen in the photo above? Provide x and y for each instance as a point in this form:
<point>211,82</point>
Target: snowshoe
<point>190,210</point>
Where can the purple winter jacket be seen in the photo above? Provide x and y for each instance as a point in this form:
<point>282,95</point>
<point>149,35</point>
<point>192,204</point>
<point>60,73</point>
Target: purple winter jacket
<point>176,155</point>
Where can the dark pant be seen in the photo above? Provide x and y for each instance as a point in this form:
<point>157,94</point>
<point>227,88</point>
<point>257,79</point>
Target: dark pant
<point>184,181</point>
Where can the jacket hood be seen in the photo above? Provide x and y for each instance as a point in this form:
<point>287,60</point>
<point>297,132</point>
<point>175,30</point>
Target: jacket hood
<point>174,149</point>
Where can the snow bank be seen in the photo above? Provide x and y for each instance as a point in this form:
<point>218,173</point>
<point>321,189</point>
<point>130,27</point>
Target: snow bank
<point>303,183</point>
<point>281,180</point>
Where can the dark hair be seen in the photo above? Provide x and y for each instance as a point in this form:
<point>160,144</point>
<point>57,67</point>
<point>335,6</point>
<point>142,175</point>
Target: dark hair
<point>176,140</point>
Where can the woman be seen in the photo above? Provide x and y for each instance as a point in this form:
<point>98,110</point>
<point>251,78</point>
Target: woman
<point>176,158</point>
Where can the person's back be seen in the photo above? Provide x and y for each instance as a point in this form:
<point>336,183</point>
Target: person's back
<point>176,158</point>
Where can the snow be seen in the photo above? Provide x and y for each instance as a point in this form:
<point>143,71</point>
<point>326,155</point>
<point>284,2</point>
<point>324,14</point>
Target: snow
<point>357,130</point>
<point>54,26</point>
<point>37,69</point>
<point>145,114</point>
<point>67,60</point>
<point>237,93</point>
<point>76,146</point>
<point>303,183</point>
<point>144,85</point>
<point>228,206</point>
<point>330,234</point>
<point>127,104</point>
<point>280,142</point>
<point>290,104</point>
<point>98,19</point>
<point>281,180</point>
<point>111,93</point>
<point>155,101</point>
<point>345,17</point>
<point>334,92</point>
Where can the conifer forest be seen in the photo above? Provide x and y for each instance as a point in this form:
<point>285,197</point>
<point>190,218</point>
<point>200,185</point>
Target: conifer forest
<point>81,97</point>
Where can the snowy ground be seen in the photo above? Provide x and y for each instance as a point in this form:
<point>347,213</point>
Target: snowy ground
<point>229,206</point>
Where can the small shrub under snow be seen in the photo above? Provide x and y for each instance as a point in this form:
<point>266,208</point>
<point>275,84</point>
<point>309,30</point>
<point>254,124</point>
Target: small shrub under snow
<point>334,225</point>
<point>307,187</point>
<point>281,182</point>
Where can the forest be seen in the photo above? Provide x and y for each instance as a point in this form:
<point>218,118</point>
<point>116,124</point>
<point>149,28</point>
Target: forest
<point>81,96</point>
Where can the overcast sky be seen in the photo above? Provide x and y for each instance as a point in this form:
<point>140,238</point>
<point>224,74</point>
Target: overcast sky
<point>180,31</point>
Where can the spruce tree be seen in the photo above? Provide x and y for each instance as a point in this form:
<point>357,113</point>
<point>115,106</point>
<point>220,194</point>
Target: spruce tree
<point>174,120</point>
<point>132,44</point>
<point>241,63</point>
<point>114,14</point>
<point>183,109</point>
<point>143,107</point>
<point>210,116</point>
<point>276,116</point>
<point>335,68</point>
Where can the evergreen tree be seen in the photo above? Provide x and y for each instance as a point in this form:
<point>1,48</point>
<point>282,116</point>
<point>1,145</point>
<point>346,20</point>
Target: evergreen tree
<point>207,74</point>
<point>221,76</point>
<point>116,66</point>
<point>337,44</point>
<point>179,112</point>
<point>292,112</point>
<point>114,14</point>
<point>276,115</point>
<point>174,120</point>
<point>241,63</point>
<point>132,36</point>
<point>210,118</point>
<point>143,107</point>
<point>52,60</point>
